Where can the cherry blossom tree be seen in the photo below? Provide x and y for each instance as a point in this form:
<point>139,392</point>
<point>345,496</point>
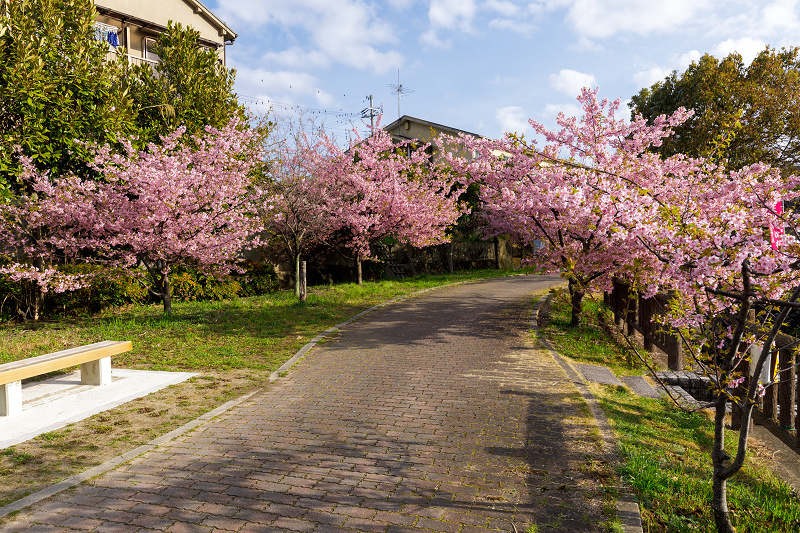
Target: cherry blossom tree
<point>168,206</point>
<point>298,209</point>
<point>28,256</point>
<point>564,199</point>
<point>603,204</point>
<point>709,233</point>
<point>371,189</point>
<point>392,190</point>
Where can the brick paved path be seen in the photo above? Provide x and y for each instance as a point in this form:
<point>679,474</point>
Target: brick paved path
<point>431,414</point>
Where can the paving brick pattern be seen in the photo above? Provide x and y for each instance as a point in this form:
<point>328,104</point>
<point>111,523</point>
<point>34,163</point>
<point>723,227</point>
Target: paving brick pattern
<point>431,414</point>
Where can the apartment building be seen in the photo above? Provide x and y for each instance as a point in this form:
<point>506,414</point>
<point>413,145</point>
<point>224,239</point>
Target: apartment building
<point>135,25</point>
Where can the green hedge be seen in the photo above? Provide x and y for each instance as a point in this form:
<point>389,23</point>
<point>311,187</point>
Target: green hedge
<point>112,288</point>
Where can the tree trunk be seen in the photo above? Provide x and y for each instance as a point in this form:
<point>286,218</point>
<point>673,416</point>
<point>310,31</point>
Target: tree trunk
<point>497,253</point>
<point>297,275</point>
<point>302,278</point>
<point>38,299</point>
<point>450,257</point>
<point>38,293</point>
<point>719,499</point>
<point>165,294</point>
<point>576,301</point>
<point>359,272</point>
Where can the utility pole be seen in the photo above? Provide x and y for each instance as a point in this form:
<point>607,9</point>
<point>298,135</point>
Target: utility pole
<point>370,112</point>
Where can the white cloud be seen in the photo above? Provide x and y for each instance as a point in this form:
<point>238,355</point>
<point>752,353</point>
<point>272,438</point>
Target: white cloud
<point>452,14</point>
<point>650,76</point>
<point>601,19</point>
<point>281,86</point>
<point>688,58</point>
<point>747,47</point>
<point>430,38</point>
<point>348,32</point>
<point>569,110</point>
<point>780,15</point>
<point>448,15</point>
<point>503,7</point>
<point>517,26</point>
<point>570,82</point>
<point>401,5</point>
<point>296,57</point>
<point>512,119</point>
<point>656,73</point>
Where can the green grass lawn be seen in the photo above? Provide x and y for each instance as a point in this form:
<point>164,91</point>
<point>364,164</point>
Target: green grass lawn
<point>257,333</point>
<point>665,451</point>
<point>588,343</point>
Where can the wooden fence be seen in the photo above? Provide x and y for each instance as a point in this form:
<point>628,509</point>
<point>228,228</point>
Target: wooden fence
<point>780,400</point>
<point>634,313</point>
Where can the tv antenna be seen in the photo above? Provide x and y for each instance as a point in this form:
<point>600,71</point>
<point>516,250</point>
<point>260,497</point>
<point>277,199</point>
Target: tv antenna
<point>400,91</point>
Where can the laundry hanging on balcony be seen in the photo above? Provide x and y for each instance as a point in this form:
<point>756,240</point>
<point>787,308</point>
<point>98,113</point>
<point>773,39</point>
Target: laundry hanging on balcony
<point>107,33</point>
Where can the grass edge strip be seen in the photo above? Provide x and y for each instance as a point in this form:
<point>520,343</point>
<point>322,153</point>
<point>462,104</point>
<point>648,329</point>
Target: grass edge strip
<point>628,511</point>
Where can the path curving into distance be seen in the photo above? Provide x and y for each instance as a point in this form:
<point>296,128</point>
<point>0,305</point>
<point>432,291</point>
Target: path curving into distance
<point>434,413</point>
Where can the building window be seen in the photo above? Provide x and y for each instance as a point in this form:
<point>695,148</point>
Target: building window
<point>149,54</point>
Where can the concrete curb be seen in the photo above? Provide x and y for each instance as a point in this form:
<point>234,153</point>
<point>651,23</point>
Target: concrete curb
<point>628,511</point>
<point>77,479</point>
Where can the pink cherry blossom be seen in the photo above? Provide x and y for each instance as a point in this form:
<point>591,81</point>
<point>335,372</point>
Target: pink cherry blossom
<point>170,205</point>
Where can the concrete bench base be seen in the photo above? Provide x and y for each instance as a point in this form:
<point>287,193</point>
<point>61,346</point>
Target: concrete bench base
<point>96,372</point>
<point>94,361</point>
<point>11,398</point>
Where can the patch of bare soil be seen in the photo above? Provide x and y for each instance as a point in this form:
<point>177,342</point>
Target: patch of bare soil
<point>49,458</point>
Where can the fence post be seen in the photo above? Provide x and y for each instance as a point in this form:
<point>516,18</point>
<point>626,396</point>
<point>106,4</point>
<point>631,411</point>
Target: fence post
<point>797,399</point>
<point>675,360</point>
<point>770,407</point>
<point>620,307</point>
<point>786,391</point>
<point>303,285</point>
<point>631,312</point>
<point>646,322</point>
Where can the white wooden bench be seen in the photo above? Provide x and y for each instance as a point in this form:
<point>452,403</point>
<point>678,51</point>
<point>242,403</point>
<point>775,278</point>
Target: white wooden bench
<point>95,361</point>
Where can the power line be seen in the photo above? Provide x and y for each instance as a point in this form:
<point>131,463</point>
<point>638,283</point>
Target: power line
<point>371,112</point>
<point>294,107</point>
<point>333,120</point>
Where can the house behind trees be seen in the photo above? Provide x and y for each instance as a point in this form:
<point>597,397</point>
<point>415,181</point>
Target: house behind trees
<point>136,24</point>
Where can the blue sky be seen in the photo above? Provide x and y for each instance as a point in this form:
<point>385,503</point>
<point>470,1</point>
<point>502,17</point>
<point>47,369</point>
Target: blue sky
<point>484,66</point>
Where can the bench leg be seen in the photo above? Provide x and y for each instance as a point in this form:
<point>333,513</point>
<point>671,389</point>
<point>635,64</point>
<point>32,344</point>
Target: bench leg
<point>11,399</point>
<point>96,372</point>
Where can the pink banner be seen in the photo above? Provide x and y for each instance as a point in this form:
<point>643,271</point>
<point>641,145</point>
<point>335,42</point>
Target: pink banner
<point>776,232</point>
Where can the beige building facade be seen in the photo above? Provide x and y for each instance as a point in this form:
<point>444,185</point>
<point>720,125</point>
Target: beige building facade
<point>408,128</point>
<point>137,23</point>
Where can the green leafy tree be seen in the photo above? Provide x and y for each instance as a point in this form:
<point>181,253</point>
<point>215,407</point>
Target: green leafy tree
<point>59,87</point>
<point>743,114</point>
<point>188,87</point>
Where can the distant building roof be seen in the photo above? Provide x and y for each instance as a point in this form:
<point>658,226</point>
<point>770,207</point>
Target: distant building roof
<point>406,126</point>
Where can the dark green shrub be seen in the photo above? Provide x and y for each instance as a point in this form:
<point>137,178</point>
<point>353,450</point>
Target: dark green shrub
<point>188,285</point>
<point>108,287</point>
<point>258,278</point>
<point>14,297</point>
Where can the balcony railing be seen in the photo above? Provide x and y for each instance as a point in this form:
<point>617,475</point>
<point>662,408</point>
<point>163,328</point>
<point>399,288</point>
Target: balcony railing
<point>132,60</point>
